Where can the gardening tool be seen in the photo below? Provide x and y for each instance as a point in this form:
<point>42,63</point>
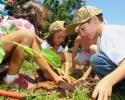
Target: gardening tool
<point>8,94</point>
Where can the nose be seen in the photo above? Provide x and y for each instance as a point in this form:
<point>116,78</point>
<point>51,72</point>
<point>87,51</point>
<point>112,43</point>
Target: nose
<point>81,34</point>
<point>61,40</point>
<point>84,35</point>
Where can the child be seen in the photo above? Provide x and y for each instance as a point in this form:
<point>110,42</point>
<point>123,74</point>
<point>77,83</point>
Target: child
<point>84,57</point>
<point>36,15</point>
<point>58,42</point>
<point>109,63</point>
<point>3,3</point>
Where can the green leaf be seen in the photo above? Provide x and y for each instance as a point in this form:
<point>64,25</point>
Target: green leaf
<point>51,57</point>
<point>3,29</point>
<point>28,52</point>
<point>12,28</point>
<point>2,53</point>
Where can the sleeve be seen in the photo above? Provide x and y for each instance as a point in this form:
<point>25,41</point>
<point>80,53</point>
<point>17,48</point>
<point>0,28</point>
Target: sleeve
<point>65,49</point>
<point>29,26</point>
<point>98,44</point>
<point>45,45</point>
<point>113,45</point>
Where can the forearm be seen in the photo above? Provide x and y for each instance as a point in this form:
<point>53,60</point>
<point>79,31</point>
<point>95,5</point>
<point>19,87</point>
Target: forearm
<point>73,57</point>
<point>118,74</point>
<point>66,67</point>
<point>43,64</point>
<point>87,73</point>
<point>47,69</point>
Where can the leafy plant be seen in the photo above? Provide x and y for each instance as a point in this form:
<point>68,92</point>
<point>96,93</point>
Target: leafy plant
<point>2,53</point>
<point>51,57</point>
<point>7,29</point>
<point>30,52</point>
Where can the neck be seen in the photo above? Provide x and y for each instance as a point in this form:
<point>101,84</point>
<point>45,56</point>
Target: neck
<point>100,29</point>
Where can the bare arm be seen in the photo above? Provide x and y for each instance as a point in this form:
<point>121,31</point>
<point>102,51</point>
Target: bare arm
<point>75,49</point>
<point>104,88</point>
<point>42,62</point>
<point>47,69</point>
<point>66,63</point>
<point>87,73</point>
<point>84,77</point>
<point>39,40</point>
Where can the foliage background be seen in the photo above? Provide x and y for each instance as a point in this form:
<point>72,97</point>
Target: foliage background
<point>58,10</point>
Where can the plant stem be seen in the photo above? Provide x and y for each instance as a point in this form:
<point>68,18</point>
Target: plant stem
<point>40,56</point>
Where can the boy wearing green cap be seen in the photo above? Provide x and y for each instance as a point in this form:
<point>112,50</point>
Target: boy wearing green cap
<point>109,63</point>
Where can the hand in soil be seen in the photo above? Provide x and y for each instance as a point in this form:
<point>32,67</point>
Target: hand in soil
<point>102,90</point>
<point>65,85</point>
<point>79,82</point>
<point>66,79</point>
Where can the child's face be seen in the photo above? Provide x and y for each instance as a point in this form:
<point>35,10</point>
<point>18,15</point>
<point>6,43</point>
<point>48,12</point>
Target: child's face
<point>11,2</point>
<point>87,29</point>
<point>59,38</point>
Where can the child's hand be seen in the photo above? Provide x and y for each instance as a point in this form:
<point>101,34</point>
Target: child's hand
<point>102,90</point>
<point>65,85</point>
<point>73,68</point>
<point>79,81</point>
<point>65,78</point>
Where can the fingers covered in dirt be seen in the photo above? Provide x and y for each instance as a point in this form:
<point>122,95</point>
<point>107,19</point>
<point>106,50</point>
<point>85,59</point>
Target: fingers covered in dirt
<point>65,78</point>
<point>79,82</point>
<point>65,85</point>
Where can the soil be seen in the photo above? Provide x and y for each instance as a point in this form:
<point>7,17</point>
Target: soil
<point>51,88</point>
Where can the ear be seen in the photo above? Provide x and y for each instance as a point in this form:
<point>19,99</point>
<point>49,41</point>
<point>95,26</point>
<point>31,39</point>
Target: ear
<point>95,19</point>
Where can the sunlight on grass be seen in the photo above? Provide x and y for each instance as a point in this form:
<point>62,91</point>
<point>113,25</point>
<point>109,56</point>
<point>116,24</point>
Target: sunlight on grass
<point>29,64</point>
<point>79,93</point>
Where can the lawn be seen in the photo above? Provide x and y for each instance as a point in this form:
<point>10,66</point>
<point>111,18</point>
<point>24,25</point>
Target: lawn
<point>48,90</point>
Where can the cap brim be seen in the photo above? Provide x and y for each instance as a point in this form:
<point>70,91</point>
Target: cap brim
<point>70,30</point>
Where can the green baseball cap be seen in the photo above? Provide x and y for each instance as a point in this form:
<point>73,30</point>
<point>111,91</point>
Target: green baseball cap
<point>82,15</point>
<point>57,26</point>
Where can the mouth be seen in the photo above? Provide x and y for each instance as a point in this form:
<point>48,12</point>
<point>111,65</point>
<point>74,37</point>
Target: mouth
<point>85,36</point>
<point>58,44</point>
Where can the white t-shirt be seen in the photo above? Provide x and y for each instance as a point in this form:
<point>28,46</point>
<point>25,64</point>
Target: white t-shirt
<point>112,42</point>
<point>45,45</point>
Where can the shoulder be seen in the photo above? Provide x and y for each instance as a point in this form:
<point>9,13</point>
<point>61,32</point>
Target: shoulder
<point>113,30</point>
<point>77,39</point>
<point>61,49</point>
<point>22,24</point>
<point>45,44</point>
<point>110,28</point>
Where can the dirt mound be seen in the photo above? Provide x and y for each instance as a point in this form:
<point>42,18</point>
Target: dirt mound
<point>51,88</point>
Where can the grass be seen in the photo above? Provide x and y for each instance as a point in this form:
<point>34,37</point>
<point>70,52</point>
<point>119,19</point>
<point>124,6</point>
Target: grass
<point>79,93</point>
